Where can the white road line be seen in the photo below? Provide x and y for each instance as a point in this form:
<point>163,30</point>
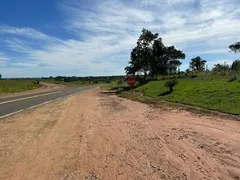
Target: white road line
<point>47,102</point>
<point>10,114</point>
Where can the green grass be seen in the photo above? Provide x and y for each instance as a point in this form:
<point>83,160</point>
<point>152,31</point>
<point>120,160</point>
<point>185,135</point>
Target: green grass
<point>114,85</point>
<point>72,83</point>
<point>12,86</point>
<point>214,93</point>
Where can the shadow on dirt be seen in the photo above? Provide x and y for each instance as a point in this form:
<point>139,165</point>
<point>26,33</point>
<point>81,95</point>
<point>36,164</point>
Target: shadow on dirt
<point>127,88</point>
<point>109,92</point>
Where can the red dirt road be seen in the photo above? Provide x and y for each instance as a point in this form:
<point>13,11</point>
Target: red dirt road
<point>100,136</point>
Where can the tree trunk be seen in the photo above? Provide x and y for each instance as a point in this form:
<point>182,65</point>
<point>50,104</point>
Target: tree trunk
<point>171,88</point>
<point>144,77</point>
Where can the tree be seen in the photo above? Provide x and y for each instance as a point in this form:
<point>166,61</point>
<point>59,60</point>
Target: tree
<point>170,84</point>
<point>141,54</point>
<point>151,56</point>
<point>197,63</point>
<point>236,65</point>
<point>0,76</point>
<point>165,58</point>
<point>235,47</point>
<point>220,68</point>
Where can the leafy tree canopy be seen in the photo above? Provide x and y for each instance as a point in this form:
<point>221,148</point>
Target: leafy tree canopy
<point>151,56</point>
<point>197,63</point>
<point>236,65</point>
<point>235,47</point>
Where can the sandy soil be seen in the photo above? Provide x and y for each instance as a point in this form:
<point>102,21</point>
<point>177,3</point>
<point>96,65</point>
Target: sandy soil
<point>45,87</point>
<point>101,136</point>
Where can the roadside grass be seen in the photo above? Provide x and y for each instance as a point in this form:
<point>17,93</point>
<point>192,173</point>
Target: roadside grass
<point>168,105</point>
<point>12,86</point>
<point>204,94</point>
<point>114,85</point>
<point>105,86</point>
<point>213,92</point>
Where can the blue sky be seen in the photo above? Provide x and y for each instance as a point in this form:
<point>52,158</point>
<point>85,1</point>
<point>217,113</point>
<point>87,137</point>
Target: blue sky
<point>95,37</point>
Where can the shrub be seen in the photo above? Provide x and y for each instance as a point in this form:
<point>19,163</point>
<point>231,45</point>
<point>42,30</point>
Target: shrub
<point>170,84</point>
<point>232,78</point>
<point>236,65</point>
<point>120,82</point>
<point>36,82</point>
<point>119,90</point>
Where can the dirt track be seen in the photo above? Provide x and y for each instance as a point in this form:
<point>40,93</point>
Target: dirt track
<point>101,136</point>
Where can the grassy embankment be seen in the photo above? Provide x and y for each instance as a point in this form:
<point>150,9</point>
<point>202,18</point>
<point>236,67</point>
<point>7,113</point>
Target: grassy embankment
<point>214,93</point>
<point>12,86</point>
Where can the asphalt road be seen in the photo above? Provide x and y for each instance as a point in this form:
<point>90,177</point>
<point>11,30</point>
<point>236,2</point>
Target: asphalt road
<point>18,103</point>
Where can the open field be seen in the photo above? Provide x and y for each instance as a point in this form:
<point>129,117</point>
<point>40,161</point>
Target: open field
<point>97,135</point>
<point>72,83</point>
<point>12,86</point>
<point>212,92</point>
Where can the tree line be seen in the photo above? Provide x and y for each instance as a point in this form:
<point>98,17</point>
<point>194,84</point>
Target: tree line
<point>89,79</point>
<point>225,68</point>
<point>94,79</point>
<point>151,58</point>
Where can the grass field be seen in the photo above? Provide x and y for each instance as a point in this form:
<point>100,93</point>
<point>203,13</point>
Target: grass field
<point>12,86</point>
<point>72,83</point>
<point>214,93</point>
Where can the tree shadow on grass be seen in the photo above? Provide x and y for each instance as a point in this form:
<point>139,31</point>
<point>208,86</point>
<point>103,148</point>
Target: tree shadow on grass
<point>127,88</point>
<point>165,93</point>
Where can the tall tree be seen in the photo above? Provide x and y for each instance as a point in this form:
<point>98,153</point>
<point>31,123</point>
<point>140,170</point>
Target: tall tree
<point>235,47</point>
<point>152,56</point>
<point>165,58</point>
<point>142,53</point>
<point>0,76</point>
<point>236,65</point>
<point>197,63</point>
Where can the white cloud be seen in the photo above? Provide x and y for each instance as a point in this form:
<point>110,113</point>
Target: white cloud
<point>107,30</point>
<point>3,57</point>
<point>28,32</point>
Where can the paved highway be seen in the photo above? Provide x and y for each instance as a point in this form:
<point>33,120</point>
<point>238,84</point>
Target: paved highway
<point>14,104</point>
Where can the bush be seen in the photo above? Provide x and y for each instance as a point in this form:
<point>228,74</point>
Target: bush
<point>232,78</point>
<point>236,65</point>
<point>119,90</point>
<point>120,82</point>
<point>170,84</point>
<point>36,82</point>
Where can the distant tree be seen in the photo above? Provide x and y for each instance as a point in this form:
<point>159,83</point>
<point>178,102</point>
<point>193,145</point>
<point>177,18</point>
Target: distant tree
<point>36,82</point>
<point>67,79</point>
<point>120,82</point>
<point>221,68</point>
<point>170,84</point>
<point>236,65</point>
<point>0,76</point>
<point>235,47</point>
<point>197,64</point>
